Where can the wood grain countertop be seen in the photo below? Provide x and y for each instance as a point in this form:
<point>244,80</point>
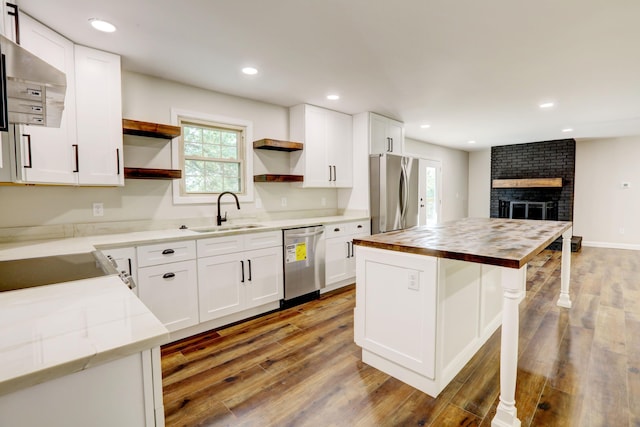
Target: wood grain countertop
<point>495,241</point>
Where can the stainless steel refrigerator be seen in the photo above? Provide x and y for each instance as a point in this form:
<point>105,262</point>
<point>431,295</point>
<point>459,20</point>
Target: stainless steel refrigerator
<point>393,182</point>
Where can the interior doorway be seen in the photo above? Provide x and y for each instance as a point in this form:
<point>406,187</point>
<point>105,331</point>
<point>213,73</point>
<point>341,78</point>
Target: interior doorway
<point>430,192</point>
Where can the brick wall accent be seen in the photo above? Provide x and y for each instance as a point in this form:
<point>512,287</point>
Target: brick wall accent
<point>547,159</point>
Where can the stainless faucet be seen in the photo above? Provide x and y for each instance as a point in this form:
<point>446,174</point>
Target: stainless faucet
<point>220,219</point>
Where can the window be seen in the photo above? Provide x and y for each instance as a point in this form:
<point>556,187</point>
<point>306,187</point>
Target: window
<point>213,157</point>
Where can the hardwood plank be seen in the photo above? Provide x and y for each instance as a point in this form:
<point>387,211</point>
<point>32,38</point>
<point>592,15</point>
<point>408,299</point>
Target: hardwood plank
<point>610,329</point>
<point>454,416</point>
<point>606,399</point>
<point>556,408</point>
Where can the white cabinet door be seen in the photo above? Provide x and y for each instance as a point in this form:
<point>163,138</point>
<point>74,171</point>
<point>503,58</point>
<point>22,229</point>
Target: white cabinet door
<point>340,149</point>
<point>337,256</point>
<point>385,135</point>
<point>170,291</point>
<point>99,117</point>
<point>221,282</point>
<point>264,281</point>
<point>48,155</point>
<point>326,159</point>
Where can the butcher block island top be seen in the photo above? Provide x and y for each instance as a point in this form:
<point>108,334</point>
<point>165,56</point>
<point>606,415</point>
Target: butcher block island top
<point>495,241</point>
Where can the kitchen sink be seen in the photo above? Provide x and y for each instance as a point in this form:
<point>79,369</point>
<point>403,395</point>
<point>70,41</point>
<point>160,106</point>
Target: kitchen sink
<point>214,229</point>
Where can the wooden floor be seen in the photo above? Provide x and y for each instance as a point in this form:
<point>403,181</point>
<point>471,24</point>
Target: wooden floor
<point>300,367</point>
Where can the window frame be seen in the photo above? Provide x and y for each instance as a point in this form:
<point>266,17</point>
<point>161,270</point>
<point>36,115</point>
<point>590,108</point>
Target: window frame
<point>177,155</point>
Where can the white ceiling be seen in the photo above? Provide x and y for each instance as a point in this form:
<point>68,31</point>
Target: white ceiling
<point>473,70</point>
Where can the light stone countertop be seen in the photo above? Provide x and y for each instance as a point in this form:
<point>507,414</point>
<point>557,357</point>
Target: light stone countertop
<point>50,331</point>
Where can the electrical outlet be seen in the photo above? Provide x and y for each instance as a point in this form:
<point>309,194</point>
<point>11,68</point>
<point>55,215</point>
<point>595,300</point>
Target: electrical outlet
<point>414,283</point>
<point>98,209</point>
<point>283,201</point>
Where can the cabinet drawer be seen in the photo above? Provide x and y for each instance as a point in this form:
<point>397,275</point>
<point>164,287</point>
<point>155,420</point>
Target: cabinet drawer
<point>360,228</point>
<point>268,239</point>
<point>163,253</point>
<point>239,242</point>
<point>336,230</point>
<point>220,245</point>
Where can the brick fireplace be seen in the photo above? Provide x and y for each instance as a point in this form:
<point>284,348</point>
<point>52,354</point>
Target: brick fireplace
<point>534,180</point>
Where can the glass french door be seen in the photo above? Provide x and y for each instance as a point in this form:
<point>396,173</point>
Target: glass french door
<point>430,192</point>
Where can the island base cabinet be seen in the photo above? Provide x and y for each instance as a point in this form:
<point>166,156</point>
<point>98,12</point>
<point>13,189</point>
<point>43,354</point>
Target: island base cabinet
<point>117,393</point>
<point>420,319</point>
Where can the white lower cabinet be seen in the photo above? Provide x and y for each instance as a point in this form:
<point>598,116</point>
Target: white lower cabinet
<point>240,280</point>
<point>340,261</point>
<point>168,282</point>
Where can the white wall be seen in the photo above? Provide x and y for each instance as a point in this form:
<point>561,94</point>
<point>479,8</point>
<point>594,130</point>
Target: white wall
<point>151,99</point>
<point>455,175</point>
<point>604,213</point>
<point>601,207</point>
<point>480,183</point>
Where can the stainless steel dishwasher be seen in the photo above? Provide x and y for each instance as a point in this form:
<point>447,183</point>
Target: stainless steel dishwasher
<point>303,264</point>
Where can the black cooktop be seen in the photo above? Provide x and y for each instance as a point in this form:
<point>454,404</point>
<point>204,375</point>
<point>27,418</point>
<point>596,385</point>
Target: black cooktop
<point>31,272</point>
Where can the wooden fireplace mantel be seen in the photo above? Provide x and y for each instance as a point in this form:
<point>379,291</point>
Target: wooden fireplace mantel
<point>528,183</point>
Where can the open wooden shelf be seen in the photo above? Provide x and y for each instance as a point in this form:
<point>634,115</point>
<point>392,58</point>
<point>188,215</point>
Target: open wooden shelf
<point>277,178</point>
<point>274,144</point>
<point>147,173</point>
<point>153,130</point>
<point>528,183</point>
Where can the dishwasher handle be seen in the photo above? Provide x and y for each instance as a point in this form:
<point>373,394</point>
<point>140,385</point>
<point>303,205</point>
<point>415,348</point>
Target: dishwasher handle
<point>313,233</point>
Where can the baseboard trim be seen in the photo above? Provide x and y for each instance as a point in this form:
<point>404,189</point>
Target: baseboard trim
<point>611,245</point>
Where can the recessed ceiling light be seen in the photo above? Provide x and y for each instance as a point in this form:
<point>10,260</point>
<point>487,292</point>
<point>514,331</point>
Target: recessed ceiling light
<point>100,25</point>
<point>567,130</point>
<point>472,142</point>
<point>546,105</point>
<point>250,71</point>
<point>333,97</point>
<point>425,126</point>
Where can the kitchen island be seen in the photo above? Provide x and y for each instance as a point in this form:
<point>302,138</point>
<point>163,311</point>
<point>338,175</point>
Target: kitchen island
<point>427,298</point>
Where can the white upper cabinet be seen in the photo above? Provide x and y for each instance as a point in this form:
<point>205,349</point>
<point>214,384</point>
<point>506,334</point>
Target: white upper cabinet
<point>48,155</point>
<point>99,117</point>
<point>327,157</point>
<point>87,147</point>
<point>8,21</point>
<point>385,135</point>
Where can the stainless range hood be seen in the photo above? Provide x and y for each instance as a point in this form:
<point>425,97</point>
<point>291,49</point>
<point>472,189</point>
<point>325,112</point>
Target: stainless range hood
<point>34,91</point>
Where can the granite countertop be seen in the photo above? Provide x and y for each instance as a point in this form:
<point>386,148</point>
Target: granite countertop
<point>50,331</point>
<point>503,242</point>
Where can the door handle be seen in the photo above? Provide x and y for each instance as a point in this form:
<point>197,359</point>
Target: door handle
<point>249,262</point>
<point>348,250</point>
<point>391,139</point>
<point>242,268</point>
<point>168,252</point>
<point>75,149</point>
<point>168,275</point>
<point>30,165</point>
<point>335,173</point>
<point>118,161</point>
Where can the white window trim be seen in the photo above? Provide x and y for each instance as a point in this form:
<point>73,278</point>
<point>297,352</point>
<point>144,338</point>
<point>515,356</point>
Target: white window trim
<point>178,198</point>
